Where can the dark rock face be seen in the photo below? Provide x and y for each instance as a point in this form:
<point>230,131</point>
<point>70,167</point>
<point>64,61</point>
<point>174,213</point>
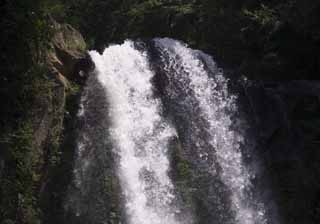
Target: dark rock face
<point>69,66</point>
<point>68,55</point>
<point>63,65</point>
<point>285,123</point>
<point>83,68</point>
<point>29,162</point>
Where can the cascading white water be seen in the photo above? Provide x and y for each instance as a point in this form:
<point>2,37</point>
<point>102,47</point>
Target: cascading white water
<point>120,111</point>
<point>139,133</point>
<point>202,82</point>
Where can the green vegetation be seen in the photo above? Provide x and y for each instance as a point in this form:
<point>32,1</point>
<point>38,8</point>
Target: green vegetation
<point>277,40</point>
<point>25,89</point>
<point>25,33</point>
<point>181,173</point>
<point>17,188</point>
<point>22,174</point>
<point>259,39</point>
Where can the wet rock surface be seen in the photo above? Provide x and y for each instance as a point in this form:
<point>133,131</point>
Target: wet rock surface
<point>285,123</point>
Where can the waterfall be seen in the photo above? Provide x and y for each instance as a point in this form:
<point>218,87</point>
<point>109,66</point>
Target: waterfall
<point>139,133</point>
<point>143,97</point>
<point>198,85</point>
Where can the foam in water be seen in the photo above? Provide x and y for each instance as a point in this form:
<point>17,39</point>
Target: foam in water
<point>204,83</point>
<point>139,134</point>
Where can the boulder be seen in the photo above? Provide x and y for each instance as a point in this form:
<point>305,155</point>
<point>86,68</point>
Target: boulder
<point>67,55</point>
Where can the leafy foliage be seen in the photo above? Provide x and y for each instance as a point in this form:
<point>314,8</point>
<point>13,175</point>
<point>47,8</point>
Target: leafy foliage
<point>24,82</point>
<point>260,39</point>
<point>17,187</point>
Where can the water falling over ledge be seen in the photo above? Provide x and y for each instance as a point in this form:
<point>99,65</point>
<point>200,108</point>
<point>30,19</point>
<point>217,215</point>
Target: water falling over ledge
<point>201,109</point>
<point>203,86</point>
<point>139,133</point>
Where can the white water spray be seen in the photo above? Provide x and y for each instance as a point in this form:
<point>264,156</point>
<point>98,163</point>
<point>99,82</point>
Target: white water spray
<point>139,134</point>
<point>204,83</point>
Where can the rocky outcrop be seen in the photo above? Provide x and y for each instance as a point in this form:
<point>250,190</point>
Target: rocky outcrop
<point>65,59</point>
<point>68,65</point>
<point>33,148</point>
<point>67,55</point>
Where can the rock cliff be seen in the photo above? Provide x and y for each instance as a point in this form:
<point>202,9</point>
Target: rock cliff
<point>37,147</point>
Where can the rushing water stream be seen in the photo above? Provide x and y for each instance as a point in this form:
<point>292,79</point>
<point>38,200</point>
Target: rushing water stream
<point>205,89</point>
<point>140,134</point>
<point>191,104</point>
